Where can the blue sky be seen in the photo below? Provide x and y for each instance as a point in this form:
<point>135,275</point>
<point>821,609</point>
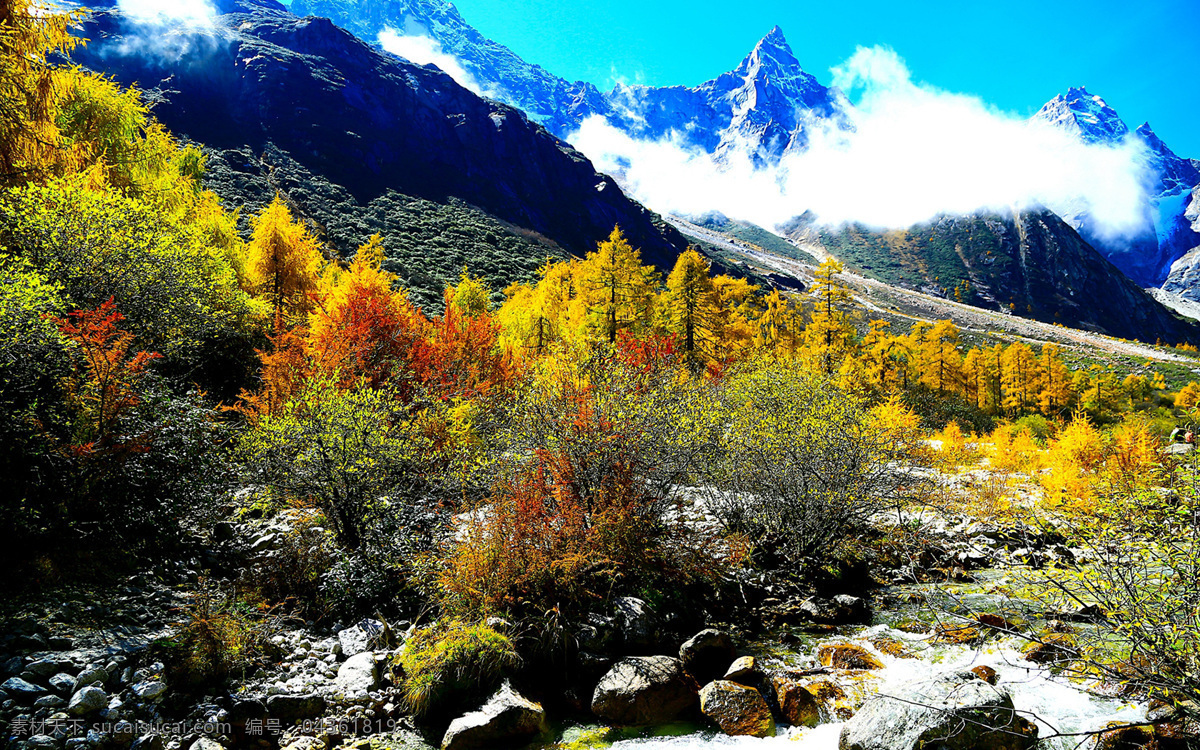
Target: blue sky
<point>1143,56</point>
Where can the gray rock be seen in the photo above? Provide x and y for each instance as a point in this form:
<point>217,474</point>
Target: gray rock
<point>151,741</point>
<point>643,690</point>
<point>507,718</point>
<point>205,743</point>
<point>13,666</point>
<point>42,742</point>
<point>363,636</point>
<point>840,610</point>
<point>91,676</point>
<point>953,711</point>
<point>357,674</point>
<point>246,708</point>
<point>638,623</point>
<point>292,707</point>
<point>50,666</point>
<point>87,700</point>
<point>262,543</point>
<point>50,701</point>
<point>61,642</point>
<point>707,655</point>
<point>150,690</point>
<point>22,691</point>
<point>600,634</point>
<point>34,642</point>
<point>62,683</point>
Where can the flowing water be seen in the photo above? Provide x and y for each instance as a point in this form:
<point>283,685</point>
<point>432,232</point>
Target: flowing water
<point>1055,704</point>
<point>1058,706</point>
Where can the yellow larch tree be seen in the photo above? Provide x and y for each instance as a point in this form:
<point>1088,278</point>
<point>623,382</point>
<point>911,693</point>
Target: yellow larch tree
<point>1057,393</point>
<point>975,377</point>
<point>31,89</point>
<point>690,309</point>
<point>780,327</point>
<point>1022,379</point>
<point>534,317</point>
<point>740,307</point>
<point>283,262</point>
<point>941,362</point>
<point>828,335</point>
<point>616,292</point>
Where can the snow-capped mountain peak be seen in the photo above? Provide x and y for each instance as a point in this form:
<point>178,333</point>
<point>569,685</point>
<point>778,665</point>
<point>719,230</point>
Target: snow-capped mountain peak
<point>1086,115</point>
<point>760,107</point>
<point>1147,256</point>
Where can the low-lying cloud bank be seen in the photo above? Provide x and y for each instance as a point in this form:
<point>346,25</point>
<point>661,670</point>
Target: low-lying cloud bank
<point>415,45</point>
<point>187,12</point>
<point>914,152</point>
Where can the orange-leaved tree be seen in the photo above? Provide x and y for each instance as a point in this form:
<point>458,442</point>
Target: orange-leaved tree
<point>106,384</point>
<point>367,331</point>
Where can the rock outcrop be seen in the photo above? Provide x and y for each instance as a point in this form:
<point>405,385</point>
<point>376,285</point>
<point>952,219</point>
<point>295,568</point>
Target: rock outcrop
<point>737,709</point>
<point>707,655</point>
<point>506,719</point>
<point>954,711</point>
<point>644,690</point>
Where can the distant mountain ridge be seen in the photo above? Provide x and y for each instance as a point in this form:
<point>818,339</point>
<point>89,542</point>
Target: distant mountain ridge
<point>1031,263</point>
<point>762,106</point>
<point>557,104</point>
<point>766,107</point>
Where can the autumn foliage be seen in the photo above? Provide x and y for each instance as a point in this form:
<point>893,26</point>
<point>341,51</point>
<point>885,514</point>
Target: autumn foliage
<point>106,383</point>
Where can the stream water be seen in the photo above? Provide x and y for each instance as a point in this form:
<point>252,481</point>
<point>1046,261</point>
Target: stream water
<point>1057,705</point>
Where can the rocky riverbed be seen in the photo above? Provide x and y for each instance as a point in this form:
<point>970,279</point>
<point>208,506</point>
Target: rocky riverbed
<point>908,665</point>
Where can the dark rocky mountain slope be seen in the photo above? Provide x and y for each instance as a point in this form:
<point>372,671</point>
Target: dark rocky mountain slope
<point>1032,264</point>
<point>352,135</point>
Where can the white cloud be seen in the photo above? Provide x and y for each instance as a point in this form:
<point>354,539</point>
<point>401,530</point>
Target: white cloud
<point>417,46</point>
<point>914,152</point>
<point>168,29</point>
<point>187,12</point>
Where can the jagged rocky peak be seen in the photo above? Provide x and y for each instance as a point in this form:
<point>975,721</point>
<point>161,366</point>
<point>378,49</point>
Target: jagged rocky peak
<point>1085,114</point>
<point>1176,175</point>
<point>760,108</point>
<point>772,63</point>
<point>771,54</point>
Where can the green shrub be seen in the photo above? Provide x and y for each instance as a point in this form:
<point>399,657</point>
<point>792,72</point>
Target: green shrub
<point>219,637</point>
<point>1036,425</point>
<point>452,663</point>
